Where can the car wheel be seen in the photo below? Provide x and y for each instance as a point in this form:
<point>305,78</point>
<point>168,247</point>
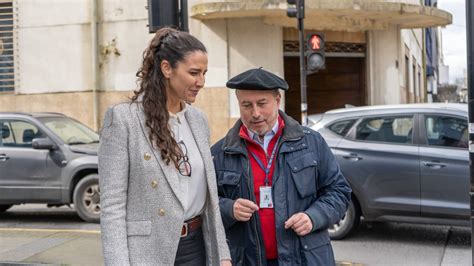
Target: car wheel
<point>347,224</point>
<point>4,207</point>
<point>87,198</point>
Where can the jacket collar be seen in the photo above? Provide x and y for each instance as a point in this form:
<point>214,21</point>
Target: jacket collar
<point>234,143</point>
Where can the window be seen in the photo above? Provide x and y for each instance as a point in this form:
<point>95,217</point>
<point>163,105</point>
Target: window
<point>447,131</point>
<point>70,131</point>
<point>18,134</point>
<point>7,75</point>
<point>342,127</point>
<point>386,129</point>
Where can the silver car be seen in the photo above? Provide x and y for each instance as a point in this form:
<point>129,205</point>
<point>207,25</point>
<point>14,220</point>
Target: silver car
<point>406,163</point>
<point>48,158</point>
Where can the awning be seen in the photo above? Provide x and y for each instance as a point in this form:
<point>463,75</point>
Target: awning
<point>341,15</point>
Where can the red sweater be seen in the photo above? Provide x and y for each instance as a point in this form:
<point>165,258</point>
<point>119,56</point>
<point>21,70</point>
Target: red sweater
<point>267,215</point>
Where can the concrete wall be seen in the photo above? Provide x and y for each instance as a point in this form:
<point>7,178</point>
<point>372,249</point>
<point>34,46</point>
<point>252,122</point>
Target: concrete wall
<point>53,40</point>
<point>213,101</point>
<point>383,67</point>
<point>74,104</point>
<point>386,61</point>
<point>55,59</point>
<point>253,44</point>
<point>55,43</point>
<point>413,39</point>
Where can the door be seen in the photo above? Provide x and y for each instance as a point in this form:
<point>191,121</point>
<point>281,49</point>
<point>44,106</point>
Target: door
<point>445,167</point>
<point>26,174</point>
<point>341,83</point>
<point>382,164</point>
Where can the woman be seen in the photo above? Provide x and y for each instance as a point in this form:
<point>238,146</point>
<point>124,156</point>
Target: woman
<point>158,190</point>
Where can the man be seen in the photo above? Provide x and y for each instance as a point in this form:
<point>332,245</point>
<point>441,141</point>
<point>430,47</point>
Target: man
<point>280,187</point>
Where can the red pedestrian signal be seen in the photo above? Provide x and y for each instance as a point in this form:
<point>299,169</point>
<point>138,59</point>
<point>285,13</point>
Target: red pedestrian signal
<point>315,42</point>
<point>315,57</point>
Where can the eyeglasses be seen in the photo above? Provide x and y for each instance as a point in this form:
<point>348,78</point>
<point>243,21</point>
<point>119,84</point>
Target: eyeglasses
<point>184,166</point>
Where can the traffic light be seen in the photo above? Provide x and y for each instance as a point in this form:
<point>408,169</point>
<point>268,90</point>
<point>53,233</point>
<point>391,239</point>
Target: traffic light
<point>291,11</point>
<point>162,13</point>
<point>315,58</point>
<point>295,9</point>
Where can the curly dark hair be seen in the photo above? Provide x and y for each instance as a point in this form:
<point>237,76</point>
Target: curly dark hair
<point>173,46</point>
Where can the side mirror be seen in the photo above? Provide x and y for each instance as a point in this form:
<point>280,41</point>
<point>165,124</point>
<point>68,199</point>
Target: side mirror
<point>43,144</point>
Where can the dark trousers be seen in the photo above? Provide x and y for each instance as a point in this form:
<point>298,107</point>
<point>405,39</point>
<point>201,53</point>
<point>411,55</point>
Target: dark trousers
<point>191,250</point>
<point>272,262</point>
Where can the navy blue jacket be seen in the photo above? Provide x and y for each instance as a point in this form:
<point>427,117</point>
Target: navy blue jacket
<point>306,179</point>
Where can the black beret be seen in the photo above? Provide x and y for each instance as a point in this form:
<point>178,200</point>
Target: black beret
<point>257,79</point>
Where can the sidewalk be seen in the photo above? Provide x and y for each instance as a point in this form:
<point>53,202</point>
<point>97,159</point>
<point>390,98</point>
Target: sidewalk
<point>57,247</point>
<point>42,246</point>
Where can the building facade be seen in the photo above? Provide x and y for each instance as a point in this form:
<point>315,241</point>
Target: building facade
<point>78,57</point>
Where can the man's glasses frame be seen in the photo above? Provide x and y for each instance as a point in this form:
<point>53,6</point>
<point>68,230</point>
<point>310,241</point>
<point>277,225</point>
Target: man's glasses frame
<point>184,166</point>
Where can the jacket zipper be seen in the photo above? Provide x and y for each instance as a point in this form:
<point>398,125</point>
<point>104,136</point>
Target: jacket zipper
<point>250,189</point>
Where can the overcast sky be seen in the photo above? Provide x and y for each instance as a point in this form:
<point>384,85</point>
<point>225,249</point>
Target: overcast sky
<point>454,38</point>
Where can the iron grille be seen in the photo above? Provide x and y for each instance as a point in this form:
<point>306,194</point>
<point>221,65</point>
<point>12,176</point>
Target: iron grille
<point>7,70</point>
<point>330,47</point>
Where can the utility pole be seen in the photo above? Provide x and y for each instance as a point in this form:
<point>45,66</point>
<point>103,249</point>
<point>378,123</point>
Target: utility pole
<point>470,83</point>
<point>296,10</point>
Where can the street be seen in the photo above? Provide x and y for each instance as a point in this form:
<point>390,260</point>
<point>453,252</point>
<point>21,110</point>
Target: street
<point>35,234</point>
<point>406,244</point>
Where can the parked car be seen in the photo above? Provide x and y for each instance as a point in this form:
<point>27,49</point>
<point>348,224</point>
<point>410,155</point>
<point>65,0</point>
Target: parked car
<point>405,163</point>
<point>48,158</point>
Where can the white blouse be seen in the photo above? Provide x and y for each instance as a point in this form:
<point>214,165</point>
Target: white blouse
<point>194,187</point>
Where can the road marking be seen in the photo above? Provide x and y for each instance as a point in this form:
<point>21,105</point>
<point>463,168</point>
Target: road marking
<point>50,230</point>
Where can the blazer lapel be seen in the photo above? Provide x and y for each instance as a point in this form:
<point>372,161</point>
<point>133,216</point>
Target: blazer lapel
<point>199,130</point>
<point>169,171</point>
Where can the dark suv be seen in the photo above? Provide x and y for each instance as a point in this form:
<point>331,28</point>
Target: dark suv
<point>48,158</point>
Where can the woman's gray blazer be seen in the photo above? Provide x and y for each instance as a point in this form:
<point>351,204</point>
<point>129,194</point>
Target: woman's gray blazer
<point>141,202</point>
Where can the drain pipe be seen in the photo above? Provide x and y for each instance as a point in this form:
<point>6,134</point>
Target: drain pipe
<point>95,64</point>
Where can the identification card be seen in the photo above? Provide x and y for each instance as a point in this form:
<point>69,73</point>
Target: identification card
<point>266,200</point>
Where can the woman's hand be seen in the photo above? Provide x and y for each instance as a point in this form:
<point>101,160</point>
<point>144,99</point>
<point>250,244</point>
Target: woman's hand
<point>226,263</point>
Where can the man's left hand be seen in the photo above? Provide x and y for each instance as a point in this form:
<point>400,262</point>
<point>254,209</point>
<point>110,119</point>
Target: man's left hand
<point>300,223</point>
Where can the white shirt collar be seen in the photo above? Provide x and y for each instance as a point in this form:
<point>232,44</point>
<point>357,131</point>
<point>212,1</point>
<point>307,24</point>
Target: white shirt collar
<point>179,116</point>
<point>266,139</point>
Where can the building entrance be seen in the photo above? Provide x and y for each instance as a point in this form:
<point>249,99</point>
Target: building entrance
<point>342,82</point>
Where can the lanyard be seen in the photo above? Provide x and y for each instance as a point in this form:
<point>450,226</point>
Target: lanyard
<point>270,161</point>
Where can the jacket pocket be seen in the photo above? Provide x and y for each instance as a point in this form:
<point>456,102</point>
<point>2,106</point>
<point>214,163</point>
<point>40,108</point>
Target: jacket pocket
<point>138,228</point>
<point>304,173</point>
<point>316,249</point>
<point>229,184</point>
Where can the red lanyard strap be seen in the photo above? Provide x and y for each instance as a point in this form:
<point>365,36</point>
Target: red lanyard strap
<point>270,162</point>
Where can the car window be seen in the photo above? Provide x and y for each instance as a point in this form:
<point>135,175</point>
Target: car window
<point>341,127</point>
<point>386,129</point>
<point>70,131</point>
<point>16,133</point>
<point>446,131</point>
